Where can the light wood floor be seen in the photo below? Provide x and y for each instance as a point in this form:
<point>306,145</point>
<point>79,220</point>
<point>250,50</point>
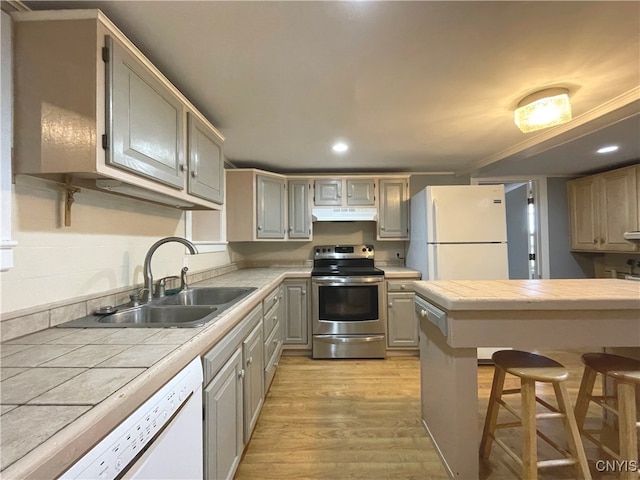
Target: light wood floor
<point>342,419</point>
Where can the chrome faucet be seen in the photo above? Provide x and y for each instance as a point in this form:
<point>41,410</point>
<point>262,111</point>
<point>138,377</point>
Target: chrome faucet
<point>148,276</point>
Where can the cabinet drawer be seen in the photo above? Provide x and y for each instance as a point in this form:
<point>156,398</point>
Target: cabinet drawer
<point>269,373</point>
<point>271,319</point>
<point>271,343</point>
<point>214,359</point>
<point>400,285</point>
<point>271,300</point>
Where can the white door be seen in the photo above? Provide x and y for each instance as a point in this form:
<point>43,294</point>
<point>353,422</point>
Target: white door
<point>466,214</point>
<point>468,261</point>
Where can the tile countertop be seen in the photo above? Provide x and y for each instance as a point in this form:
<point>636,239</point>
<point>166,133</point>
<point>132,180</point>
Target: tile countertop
<point>64,389</point>
<point>532,294</point>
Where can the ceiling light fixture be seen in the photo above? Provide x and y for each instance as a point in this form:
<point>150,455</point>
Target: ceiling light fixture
<point>608,149</point>
<point>340,147</point>
<point>543,109</point>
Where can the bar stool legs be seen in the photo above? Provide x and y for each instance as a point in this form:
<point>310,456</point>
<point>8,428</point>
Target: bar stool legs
<point>625,372</point>
<point>531,368</point>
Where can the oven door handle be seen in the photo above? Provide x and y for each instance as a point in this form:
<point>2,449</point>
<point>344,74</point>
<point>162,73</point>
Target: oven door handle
<point>342,281</point>
<point>359,339</point>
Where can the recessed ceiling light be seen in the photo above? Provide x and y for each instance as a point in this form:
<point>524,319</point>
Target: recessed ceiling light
<point>608,149</point>
<point>340,147</point>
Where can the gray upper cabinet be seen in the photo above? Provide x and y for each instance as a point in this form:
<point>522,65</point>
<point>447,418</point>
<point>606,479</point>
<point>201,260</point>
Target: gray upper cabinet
<point>144,120</point>
<point>206,163</point>
<point>299,216</point>
<point>393,211</point>
<point>361,192</point>
<point>120,125</point>
<point>270,207</point>
<point>327,192</point>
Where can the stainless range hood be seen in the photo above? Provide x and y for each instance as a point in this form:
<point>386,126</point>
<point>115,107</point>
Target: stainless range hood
<point>344,214</point>
<point>633,237</point>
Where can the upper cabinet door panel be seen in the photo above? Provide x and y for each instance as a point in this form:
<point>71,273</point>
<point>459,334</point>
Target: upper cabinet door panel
<point>206,164</point>
<point>328,192</point>
<point>299,219</point>
<point>145,120</point>
<point>271,205</point>
<point>360,192</point>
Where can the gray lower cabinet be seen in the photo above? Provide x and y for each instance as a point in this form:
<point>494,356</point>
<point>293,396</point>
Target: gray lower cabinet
<point>296,303</point>
<point>145,120</point>
<point>403,328</point>
<point>270,207</point>
<point>252,356</point>
<point>223,420</point>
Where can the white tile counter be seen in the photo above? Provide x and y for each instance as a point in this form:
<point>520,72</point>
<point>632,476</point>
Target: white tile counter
<point>525,314</point>
<point>62,390</point>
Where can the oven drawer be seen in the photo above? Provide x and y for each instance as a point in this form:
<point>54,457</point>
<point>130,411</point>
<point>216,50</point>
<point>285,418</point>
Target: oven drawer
<point>349,346</point>
<point>400,285</point>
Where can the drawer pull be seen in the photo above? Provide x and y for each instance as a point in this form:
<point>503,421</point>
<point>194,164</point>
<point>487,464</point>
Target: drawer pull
<point>403,287</point>
<point>241,373</point>
<point>423,313</point>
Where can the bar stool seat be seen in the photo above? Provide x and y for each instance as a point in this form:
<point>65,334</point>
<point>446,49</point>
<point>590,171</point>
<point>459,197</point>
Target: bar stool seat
<point>626,374</point>
<point>532,368</point>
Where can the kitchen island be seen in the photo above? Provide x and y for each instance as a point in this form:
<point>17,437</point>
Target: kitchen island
<point>524,314</point>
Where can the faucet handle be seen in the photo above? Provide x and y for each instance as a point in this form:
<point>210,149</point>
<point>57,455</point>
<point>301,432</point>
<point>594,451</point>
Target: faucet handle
<point>183,278</point>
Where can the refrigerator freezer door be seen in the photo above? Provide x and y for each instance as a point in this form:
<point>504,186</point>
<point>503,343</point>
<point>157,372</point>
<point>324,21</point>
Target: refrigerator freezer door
<point>466,214</point>
<point>468,261</point>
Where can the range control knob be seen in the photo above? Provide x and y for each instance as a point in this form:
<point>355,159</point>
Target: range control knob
<point>364,249</point>
<point>370,249</point>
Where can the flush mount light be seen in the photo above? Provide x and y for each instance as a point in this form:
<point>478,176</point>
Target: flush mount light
<point>340,147</point>
<point>608,149</point>
<point>543,109</point>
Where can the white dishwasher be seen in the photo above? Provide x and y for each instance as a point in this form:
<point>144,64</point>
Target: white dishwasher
<point>162,439</point>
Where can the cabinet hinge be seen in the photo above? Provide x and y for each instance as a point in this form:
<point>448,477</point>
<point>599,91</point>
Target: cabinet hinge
<point>530,201</point>
<point>105,54</point>
<point>532,256</point>
<point>105,141</point>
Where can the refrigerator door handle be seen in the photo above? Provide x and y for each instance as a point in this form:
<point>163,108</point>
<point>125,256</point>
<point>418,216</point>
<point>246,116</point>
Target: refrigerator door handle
<point>434,225</point>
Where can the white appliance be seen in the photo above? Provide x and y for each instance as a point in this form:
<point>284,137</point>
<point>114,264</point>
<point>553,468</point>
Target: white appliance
<point>459,232</point>
<point>162,439</point>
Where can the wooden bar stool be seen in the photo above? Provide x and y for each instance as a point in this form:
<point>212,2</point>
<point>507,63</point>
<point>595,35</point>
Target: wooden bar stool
<point>532,368</point>
<point>626,374</point>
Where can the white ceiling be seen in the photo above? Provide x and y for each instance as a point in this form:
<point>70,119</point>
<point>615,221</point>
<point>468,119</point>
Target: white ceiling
<point>411,86</point>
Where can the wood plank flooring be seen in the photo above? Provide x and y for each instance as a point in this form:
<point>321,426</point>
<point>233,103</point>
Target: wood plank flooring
<point>348,419</point>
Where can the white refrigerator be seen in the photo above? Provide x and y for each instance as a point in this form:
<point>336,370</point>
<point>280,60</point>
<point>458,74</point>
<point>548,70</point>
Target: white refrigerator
<point>459,232</point>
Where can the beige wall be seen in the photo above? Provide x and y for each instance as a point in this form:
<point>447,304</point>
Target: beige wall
<point>103,249</point>
<point>324,233</point>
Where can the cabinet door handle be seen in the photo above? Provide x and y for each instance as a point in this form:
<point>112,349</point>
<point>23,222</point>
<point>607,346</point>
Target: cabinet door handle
<point>249,361</point>
<point>403,287</point>
<point>241,373</point>
<point>390,304</point>
<point>259,227</point>
<point>595,240</point>
<point>183,167</point>
<point>602,240</point>
<point>423,313</point>
<point>304,292</point>
<point>194,174</point>
<point>381,227</point>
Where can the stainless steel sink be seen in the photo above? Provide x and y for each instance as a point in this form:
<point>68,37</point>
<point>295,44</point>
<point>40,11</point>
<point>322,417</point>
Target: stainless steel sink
<point>149,315</point>
<point>220,296</point>
<point>161,315</point>
<point>192,307</point>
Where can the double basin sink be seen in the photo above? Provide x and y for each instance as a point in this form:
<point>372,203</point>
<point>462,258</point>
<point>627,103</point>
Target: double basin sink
<point>191,307</point>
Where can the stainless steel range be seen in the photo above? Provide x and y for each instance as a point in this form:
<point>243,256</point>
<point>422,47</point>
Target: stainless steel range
<point>349,316</point>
